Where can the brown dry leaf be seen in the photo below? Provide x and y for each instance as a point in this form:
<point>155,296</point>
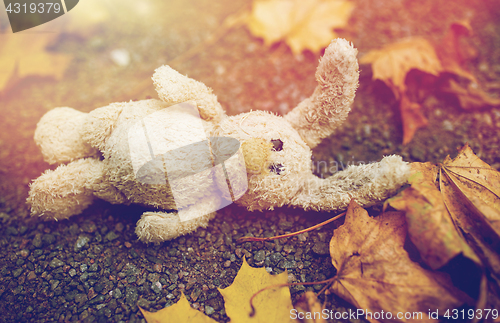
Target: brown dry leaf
<point>430,226</point>
<point>471,97</point>
<point>24,54</point>
<point>471,193</point>
<point>392,63</point>
<point>248,282</point>
<point>310,308</point>
<point>179,312</point>
<point>412,118</point>
<point>452,54</point>
<point>375,273</point>
<point>302,24</point>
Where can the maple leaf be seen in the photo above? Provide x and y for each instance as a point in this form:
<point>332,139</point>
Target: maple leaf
<point>453,56</point>
<point>430,226</point>
<point>467,194</point>
<point>392,63</point>
<point>471,193</point>
<point>470,97</point>
<point>179,312</point>
<point>376,274</point>
<point>237,297</point>
<point>248,282</point>
<point>302,24</point>
<point>450,51</point>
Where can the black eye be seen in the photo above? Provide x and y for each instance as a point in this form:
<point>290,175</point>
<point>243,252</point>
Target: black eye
<point>277,145</point>
<point>276,168</point>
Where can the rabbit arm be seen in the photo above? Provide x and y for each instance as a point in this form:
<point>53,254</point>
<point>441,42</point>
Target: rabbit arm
<point>367,184</point>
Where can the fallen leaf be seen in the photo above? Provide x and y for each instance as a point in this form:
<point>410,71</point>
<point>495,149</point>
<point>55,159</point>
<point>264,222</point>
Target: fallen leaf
<point>392,63</point>
<point>452,53</point>
<point>310,308</point>
<point>302,24</point>
<point>471,97</point>
<point>471,192</point>
<point>375,273</point>
<point>412,118</point>
<point>24,54</point>
<point>430,226</point>
<point>179,312</point>
<point>248,282</point>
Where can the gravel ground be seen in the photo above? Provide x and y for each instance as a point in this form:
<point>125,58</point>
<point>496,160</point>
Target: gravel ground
<point>92,268</point>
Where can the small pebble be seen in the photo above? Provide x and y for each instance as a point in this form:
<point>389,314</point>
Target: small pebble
<point>120,57</point>
<point>209,310</point>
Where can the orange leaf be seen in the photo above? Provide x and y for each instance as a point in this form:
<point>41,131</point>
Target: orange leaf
<point>392,63</point>
<point>452,53</point>
<point>412,117</point>
<point>430,226</point>
<point>472,97</point>
<point>375,273</point>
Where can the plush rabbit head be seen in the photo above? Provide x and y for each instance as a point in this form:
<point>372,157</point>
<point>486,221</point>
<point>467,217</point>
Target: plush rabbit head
<point>108,148</point>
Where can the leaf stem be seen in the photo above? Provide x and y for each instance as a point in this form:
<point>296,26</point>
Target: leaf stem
<point>246,239</point>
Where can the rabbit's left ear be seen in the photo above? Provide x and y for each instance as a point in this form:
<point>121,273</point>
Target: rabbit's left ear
<point>327,108</point>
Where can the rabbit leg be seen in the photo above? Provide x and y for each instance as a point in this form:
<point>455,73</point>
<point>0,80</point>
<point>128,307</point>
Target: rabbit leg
<point>161,226</point>
<point>63,192</point>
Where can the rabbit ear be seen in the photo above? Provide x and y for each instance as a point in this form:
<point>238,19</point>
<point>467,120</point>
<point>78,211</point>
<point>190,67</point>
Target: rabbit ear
<point>327,108</point>
<point>173,87</point>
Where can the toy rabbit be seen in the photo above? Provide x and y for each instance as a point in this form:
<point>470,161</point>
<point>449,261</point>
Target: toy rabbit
<point>103,154</point>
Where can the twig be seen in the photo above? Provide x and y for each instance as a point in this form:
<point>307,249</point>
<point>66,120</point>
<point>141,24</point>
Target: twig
<point>246,239</point>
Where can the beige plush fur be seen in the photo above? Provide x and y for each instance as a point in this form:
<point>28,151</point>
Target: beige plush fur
<point>107,147</point>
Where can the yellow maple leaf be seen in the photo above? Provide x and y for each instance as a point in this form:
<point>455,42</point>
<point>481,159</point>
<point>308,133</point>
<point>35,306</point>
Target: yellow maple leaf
<point>179,312</point>
<point>271,305</point>
<point>303,24</point>
<point>237,301</point>
<point>25,53</point>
